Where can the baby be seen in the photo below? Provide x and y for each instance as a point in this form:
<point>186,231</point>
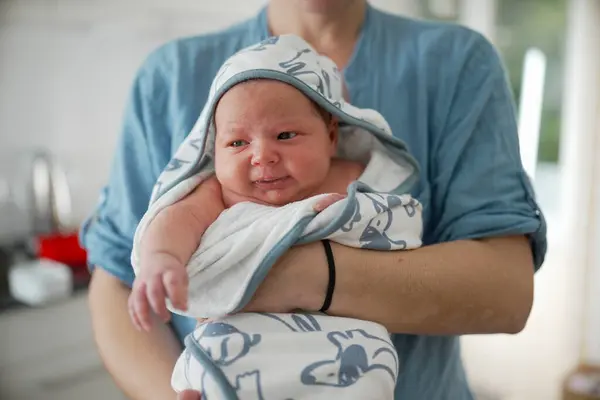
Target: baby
<point>273,151</point>
<point>264,169</point>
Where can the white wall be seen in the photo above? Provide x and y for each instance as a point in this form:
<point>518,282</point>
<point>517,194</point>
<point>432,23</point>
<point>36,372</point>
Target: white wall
<point>66,67</point>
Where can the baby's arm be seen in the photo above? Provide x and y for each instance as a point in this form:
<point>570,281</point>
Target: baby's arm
<point>177,230</point>
<point>169,242</point>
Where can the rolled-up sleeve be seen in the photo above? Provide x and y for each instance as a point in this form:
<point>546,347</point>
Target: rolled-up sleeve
<point>479,186</point>
<point>107,235</point>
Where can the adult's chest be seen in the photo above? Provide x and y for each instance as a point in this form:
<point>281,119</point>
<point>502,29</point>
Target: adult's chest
<point>190,101</point>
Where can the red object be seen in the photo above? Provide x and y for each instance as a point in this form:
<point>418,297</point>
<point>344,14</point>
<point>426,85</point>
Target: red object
<point>62,248</point>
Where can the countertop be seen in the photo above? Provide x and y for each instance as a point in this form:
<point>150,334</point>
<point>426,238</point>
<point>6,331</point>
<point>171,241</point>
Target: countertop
<point>7,302</point>
<point>81,279</point>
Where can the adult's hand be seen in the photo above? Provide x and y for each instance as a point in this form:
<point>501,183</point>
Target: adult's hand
<point>188,395</point>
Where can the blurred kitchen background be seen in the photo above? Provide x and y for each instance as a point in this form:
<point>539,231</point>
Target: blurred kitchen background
<point>66,67</point>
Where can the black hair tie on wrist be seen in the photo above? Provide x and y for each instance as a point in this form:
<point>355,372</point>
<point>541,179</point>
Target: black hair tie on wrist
<point>331,267</point>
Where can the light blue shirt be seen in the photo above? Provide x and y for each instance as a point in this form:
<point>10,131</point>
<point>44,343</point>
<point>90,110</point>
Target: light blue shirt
<point>442,89</point>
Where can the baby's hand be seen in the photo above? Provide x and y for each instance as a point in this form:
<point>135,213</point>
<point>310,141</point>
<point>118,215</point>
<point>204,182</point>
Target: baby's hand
<point>161,276</point>
<point>327,201</point>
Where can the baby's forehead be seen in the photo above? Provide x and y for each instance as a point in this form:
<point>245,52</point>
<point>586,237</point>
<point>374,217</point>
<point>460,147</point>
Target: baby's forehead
<point>271,88</point>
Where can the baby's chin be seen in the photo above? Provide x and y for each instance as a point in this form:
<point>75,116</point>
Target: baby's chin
<point>273,197</point>
<point>276,198</point>
<point>279,197</point>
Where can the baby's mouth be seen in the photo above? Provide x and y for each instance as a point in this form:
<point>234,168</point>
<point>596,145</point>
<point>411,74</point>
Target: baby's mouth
<point>271,183</point>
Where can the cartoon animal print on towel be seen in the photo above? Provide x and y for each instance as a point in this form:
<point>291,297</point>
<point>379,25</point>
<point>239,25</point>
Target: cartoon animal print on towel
<point>295,67</point>
<point>355,219</point>
<point>298,323</point>
<point>196,143</point>
<point>411,207</point>
<point>247,384</point>
<point>224,343</point>
<point>263,45</point>
<point>175,164</point>
<point>375,234</point>
<point>358,353</point>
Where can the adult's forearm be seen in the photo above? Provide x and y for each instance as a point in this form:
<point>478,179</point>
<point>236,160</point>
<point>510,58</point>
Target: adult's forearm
<point>140,363</point>
<point>453,288</point>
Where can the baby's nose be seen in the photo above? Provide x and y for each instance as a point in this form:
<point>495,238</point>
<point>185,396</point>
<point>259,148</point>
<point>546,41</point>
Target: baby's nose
<point>264,154</point>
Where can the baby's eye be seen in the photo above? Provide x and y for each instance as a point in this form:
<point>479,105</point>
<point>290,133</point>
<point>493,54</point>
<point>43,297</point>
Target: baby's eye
<point>237,143</point>
<point>286,135</point>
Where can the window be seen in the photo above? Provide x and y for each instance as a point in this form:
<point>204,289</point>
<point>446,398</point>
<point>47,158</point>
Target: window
<point>534,27</point>
<point>525,27</point>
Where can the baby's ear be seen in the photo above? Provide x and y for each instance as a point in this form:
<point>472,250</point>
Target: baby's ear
<point>334,132</point>
<point>345,93</point>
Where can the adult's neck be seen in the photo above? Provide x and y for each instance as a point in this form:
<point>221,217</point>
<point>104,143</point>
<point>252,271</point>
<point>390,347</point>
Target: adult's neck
<point>332,29</point>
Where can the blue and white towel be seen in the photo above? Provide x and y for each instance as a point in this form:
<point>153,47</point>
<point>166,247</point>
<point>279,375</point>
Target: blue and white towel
<point>300,356</point>
<point>288,356</point>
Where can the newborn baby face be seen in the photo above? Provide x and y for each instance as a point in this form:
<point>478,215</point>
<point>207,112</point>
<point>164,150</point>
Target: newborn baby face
<point>273,145</point>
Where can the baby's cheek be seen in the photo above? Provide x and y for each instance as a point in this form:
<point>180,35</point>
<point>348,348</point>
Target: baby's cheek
<point>228,173</point>
<point>315,173</point>
<point>321,165</point>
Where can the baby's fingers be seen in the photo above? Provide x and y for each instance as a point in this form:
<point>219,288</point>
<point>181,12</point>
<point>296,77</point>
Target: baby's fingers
<point>132,313</point>
<point>156,296</point>
<point>140,309</point>
<point>176,285</point>
<point>327,201</point>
